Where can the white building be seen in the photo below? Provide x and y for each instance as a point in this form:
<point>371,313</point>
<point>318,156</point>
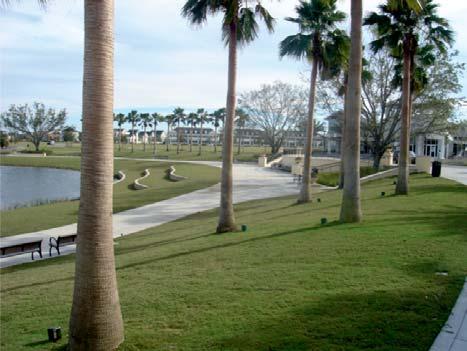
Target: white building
<point>197,135</point>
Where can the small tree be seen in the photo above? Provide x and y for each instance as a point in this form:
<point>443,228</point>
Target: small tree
<point>35,121</point>
<point>4,142</point>
<point>69,134</point>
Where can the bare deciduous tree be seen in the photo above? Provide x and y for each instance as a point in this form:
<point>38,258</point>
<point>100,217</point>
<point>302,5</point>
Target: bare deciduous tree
<point>275,109</point>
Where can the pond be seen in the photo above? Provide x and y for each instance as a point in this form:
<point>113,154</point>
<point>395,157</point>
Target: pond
<point>29,186</point>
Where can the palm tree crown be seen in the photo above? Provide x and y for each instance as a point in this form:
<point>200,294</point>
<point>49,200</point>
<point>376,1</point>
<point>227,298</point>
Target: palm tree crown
<point>318,38</point>
<point>401,29</point>
<point>243,13</point>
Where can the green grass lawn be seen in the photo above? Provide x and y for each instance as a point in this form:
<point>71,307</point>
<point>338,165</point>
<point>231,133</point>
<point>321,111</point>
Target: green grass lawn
<point>247,154</point>
<point>65,212</point>
<point>332,179</point>
<point>286,284</point>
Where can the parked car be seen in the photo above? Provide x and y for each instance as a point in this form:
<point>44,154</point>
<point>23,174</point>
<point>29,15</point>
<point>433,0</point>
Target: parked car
<point>412,157</point>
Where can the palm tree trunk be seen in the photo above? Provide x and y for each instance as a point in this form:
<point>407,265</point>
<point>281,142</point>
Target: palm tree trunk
<point>305,192</point>
<point>402,187</point>
<point>226,214</point>
<point>155,139</point>
<point>133,137</point>
<point>215,139</point>
<point>239,141</point>
<point>191,137</point>
<point>96,320</point>
<point>167,142</point>
<point>144,139</point>
<point>120,139</point>
<point>200,139</point>
<point>341,171</point>
<point>178,137</point>
<point>350,209</point>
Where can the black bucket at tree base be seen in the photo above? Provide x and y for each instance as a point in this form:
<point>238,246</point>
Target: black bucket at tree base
<point>435,168</point>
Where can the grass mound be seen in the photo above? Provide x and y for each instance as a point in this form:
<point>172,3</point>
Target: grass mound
<point>61,213</point>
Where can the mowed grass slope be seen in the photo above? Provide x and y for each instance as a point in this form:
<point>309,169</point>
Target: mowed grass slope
<point>286,284</point>
<point>247,153</point>
<point>30,219</point>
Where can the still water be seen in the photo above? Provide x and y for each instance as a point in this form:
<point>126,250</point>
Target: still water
<point>27,186</point>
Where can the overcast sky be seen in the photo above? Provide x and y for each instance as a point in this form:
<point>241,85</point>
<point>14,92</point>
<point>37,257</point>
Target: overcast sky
<point>160,61</point>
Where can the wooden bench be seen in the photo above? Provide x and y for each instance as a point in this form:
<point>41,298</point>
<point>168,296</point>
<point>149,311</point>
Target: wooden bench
<point>21,248</point>
<point>61,241</point>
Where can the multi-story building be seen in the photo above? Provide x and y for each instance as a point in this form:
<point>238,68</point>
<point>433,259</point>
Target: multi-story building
<point>205,135</point>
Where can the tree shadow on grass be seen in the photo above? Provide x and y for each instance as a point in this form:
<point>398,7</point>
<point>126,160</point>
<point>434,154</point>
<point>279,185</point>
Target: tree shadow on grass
<point>380,320</point>
<point>229,244</point>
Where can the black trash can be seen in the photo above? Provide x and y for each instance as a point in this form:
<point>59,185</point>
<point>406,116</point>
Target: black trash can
<point>435,168</point>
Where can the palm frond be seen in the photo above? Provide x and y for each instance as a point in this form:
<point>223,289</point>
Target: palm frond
<point>297,45</point>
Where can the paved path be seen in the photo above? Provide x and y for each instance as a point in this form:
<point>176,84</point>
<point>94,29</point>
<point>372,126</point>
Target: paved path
<point>250,183</point>
<point>453,335</point>
<point>457,173</point>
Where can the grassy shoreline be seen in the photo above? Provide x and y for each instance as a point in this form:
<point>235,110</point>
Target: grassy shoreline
<point>65,212</point>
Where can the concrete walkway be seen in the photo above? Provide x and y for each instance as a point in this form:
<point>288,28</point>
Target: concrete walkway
<point>453,335</point>
<point>250,183</point>
<point>457,173</point>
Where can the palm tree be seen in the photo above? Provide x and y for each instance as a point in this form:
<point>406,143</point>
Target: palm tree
<point>178,118</point>
<point>351,208</point>
<point>242,118</point>
<point>120,118</point>
<point>96,320</point>
<point>202,117</point>
<point>191,120</point>
<point>156,119</point>
<point>318,39</point>
<point>169,119</point>
<point>217,117</point>
<point>145,120</point>
<point>239,27</point>
<point>133,117</point>
<point>403,30</point>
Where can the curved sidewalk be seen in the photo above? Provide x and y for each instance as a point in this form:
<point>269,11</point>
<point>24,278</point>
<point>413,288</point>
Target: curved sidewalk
<point>250,183</point>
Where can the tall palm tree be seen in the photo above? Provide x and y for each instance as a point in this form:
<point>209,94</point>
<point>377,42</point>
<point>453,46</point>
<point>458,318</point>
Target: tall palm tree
<point>169,119</point>
<point>202,117</point>
<point>242,119</point>
<point>179,118</point>
<point>351,208</point>
<point>120,118</point>
<point>96,320</point>
<point>317,40</point>
<point>145,121</point>
<point>239,27</point>
<point>191,120</point>
<point>403,30</point>
<point>156,119</point>
<point>133,118</point>
<point>217,117</point>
